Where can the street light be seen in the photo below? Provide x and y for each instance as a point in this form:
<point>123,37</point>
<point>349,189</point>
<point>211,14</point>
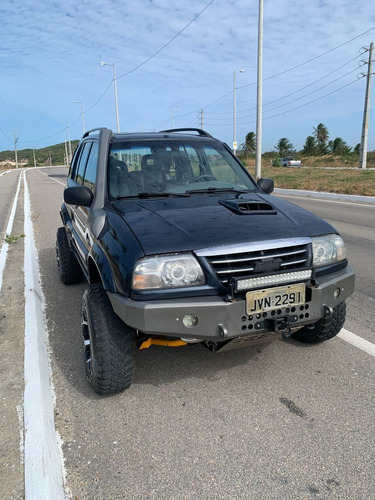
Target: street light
<point>234,110</point>
<point>69,157</point>
<point>82,114</point>
<point>115,85</point>
<point>175,106</point>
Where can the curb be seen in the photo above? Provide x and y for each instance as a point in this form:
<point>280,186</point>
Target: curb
<point>332,196</point>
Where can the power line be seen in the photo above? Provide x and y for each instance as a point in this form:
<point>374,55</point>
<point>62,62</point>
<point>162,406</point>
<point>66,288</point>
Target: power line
<point>153,55</point>
<point>134,69</point>
<point>298,98</point>
<point>312,59</point>
<point>168,43</point>
<point>307,103</point>
<point>295,67</point>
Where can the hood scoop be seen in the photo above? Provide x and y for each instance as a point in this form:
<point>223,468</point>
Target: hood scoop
<point>249,207</point>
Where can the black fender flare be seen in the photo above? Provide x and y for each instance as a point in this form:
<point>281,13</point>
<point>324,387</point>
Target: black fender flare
<point>99,259</point>
<point>64,214</point>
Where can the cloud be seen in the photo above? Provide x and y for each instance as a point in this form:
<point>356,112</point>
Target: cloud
<point>50,54</point>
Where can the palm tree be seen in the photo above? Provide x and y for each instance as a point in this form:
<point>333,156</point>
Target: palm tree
<point>321,133</point>
<point>284,147</point>
<point>250,141</point>
<point>310,146</point>
<point>339,147</point>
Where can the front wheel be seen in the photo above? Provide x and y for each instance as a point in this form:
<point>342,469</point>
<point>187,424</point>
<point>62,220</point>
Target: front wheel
<point>109,344</point>
<point>324,329</point>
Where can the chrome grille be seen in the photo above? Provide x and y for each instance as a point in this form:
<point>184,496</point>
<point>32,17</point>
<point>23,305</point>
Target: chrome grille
<point>258,261</point>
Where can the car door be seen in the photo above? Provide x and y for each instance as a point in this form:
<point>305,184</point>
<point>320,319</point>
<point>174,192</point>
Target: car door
<point>84,173</point>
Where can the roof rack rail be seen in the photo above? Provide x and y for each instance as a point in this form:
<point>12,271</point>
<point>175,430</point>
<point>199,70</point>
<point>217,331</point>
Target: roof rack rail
<point>199,130</point>
<point>93,130</point>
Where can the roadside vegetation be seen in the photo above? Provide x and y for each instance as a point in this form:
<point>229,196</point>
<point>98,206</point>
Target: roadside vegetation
<point>51,155</point>
<point>327,165</point>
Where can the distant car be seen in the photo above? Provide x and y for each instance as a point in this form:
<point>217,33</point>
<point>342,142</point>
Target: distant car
<point>180,245</point>
<point>289,162</point>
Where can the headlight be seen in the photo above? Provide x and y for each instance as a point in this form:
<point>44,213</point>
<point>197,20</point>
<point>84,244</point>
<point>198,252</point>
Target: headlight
<point>328,250</point>
<point>167,271</point>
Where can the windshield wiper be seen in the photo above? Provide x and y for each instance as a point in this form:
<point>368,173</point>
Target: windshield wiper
<point>150,194</point>
<point>218,190</point>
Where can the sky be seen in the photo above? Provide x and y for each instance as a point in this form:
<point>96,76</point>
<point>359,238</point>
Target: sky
<point>175,64</point>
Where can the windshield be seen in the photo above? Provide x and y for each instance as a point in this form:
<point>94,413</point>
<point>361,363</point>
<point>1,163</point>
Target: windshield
<point>173,167</point>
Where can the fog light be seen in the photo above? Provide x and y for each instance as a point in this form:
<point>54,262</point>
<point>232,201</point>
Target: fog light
<point>190,320</point>
<point>336,293</point>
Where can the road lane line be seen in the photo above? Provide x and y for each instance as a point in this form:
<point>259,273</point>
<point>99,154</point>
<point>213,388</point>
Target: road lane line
<point>42,446</point>
<point>5,246</point>
<point>357,341</point>
<point>46,175</point>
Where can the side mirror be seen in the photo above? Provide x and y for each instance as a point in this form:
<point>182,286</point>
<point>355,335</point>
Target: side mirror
<point>78,195</point>
<point>266,185</point>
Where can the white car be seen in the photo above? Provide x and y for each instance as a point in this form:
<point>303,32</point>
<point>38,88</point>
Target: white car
<point>289,162</point>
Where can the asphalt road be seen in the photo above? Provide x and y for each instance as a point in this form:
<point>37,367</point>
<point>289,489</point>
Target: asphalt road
<point>282,421</point>
<point>8,186</point>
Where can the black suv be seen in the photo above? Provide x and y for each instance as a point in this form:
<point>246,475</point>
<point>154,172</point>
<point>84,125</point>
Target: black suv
<point>180,245</point>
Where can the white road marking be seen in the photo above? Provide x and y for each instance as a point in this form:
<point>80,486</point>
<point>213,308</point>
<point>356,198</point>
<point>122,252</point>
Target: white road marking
<point>44,470</point>
<point>46,175</point>
<point>42,447</point>
<point>357,341</point>
<point>316,198</point>
<point>5,246</point>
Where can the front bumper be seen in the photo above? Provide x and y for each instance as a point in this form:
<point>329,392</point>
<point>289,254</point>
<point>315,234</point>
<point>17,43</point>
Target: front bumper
<point>219,319</point>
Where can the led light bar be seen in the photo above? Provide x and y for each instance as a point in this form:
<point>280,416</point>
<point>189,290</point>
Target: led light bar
<point>275,279</point>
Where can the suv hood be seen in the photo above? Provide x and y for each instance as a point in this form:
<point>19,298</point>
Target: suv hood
<point>175,224</point>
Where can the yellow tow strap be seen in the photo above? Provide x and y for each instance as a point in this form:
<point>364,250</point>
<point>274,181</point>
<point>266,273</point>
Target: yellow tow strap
<point>167,343</point>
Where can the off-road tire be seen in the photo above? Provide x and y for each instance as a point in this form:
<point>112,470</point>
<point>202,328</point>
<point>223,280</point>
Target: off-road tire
<point>109,344</point>
<point>324,329</point>
<point>69,269</point>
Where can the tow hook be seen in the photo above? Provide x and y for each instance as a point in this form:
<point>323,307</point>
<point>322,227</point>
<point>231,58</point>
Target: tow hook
<point>281,325</point>
<point>286,332</point>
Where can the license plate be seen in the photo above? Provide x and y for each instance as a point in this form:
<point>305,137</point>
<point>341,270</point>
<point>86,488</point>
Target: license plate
<point>275,298</point>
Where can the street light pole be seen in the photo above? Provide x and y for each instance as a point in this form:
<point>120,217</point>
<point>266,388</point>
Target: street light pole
<point>69,142</point>
<point>235,111</point>
<point>258,158</point>
<point>82,114</point>
<point>115,85</point>
<point>15,135</point>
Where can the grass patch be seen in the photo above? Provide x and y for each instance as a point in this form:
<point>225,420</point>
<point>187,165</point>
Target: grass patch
<point>10,238</point>
<point>354,182</point>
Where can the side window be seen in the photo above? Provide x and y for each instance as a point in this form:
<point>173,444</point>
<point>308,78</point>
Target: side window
<point>80,170</point>
<point>132,156</point>
<point>75,161</point>
<point>92,162</point>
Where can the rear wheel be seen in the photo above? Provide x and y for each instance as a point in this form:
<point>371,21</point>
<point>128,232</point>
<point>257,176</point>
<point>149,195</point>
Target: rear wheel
<point>109,344</point>
<point>324,329</point>
<point>69,269</point>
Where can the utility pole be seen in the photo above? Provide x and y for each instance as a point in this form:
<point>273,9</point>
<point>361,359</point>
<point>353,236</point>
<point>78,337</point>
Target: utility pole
<point>66,151</point>
<point>364,137</point>
<point>69,143</point>
<point>16,137</point>
<point>202,119</point>
<point>235,112</point>
<point>258,158</point>
<point>34,157</point>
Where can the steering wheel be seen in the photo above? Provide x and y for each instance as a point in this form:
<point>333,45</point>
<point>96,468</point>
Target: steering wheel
<point>205,177</point>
